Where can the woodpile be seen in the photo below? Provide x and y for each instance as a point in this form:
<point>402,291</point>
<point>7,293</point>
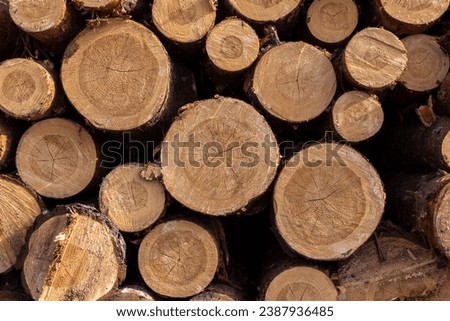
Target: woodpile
<point>224,150</point>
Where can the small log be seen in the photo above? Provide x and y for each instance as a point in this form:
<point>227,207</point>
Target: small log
<point>29,89</point>
<point>130,201</point>
<point>327,202</point>
<point>232,47</point>
<point>331,22</point>
<point>442,106</point>
<point>219,292</point>
<point>185,23</point>
<point>416,146</point>
<point>73,255</point>
<point>279,13</point>
<point>407,17</point>
<point>130,293</point>
<point>211,167</point>
<point>294,82</point>
<point>406,271</point>
<point>421,203</point>
<point>179,258</point>
<point>8,141</point>
<point>373,60</point>
<point>356,116</point>
<point>19,207</point>
<point>297,283</point>
<point>57,158</point>
<point>427,65</point>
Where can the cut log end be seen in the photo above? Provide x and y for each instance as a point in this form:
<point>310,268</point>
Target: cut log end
<point>213,168</point>
<point>441,221</point>
<point>332,21</point>
<point>409,17</point>
<point>301,283</point>
<point>294,82</point>
<point>130,293</point>
<point>7,143</point>
<point>184,22</point>
<point>57,158</point>
<point>374,59</point>
<point>19,208</point>
<point>232,46</point>
<point>178,258</point>
<point>263,11</point>
<point>428,63</point>
<point>34,97</point>
<point>131,202</point>
<point>97,5</point>
<point>445,148</point>
<point>107,82</point>
<point>75,256</point>
<point>218,292</point>
<point>357,116</point>
<point>323,183</point>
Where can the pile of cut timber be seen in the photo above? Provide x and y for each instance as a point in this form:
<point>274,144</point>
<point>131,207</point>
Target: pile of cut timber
<point>224,150</point>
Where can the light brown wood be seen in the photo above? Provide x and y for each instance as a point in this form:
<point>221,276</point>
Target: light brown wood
<point>19,207</point>
<point>357,116</point>
<point>8,140</point>
<point>374,59</point>
<point>178,258</point>
<point>110,6</point>
<point>442,106</point>
<point>130,201</point>
<point>428,63</point>
<point>331,22</point>
<point>294,82</point>
<point>28,89</point>
<point>300,283</point>
<point>130,293</point>
<point>443,293</point>
<point>57,158</point>
<point>327,201</point>
<point>232,158</point>
<point>219,292</point>
<point>406,17</point>
<point>74,255</point>
<point>46,20</point>
<point>184,22</point>
<point>108,82</point>
<point>232,46</point>
<point>407,271</point>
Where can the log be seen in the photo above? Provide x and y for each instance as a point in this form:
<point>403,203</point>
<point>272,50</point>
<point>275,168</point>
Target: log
<point>420,202</point>
<point>356,116</point>
<point>8,31</point>
<point>57,158</point>
<point>414,145</point>
<point>373,60</point>
<point>279,13</point>
<point>130,293</point>
<point>108,83</point>
<point>427,65</point>
<point>75,254</point>
<point>294,82</point>
<point>15,199</point>
<point>331,22</point>
<point>232,47</point>
<point>179,258</point>
<point>407,271</point>
<point>29,89</point>
<point>211,167</point>
<point>185,23</point>
<point>49,21</point>
<point>130,201</point>
<point>110,6</point>
<point>297,283</point>
<point>443,292</point>
<point>219,292</point>
<point>327,202</point>
<point>442,106</point>
<point>408,17</point>
<point>8,142</point>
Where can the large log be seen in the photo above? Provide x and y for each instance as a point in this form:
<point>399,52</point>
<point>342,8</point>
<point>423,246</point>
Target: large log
<point>218,156</point>
<point>421,203</point>
<point>29,89</point>
<point>327,202</point>
<point>179,258</point>
<point>57,158</point>
<point>294,82</point>
<point>19,207</point>
<point>75,254</point>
